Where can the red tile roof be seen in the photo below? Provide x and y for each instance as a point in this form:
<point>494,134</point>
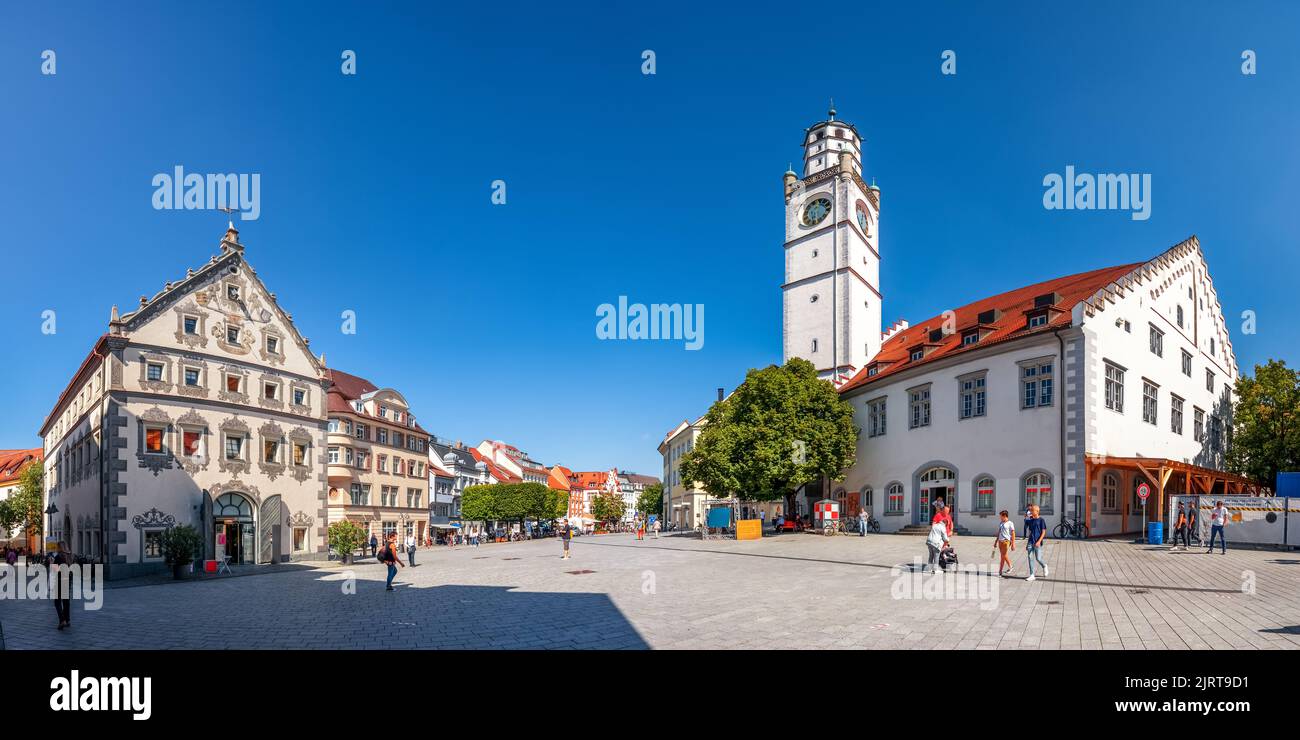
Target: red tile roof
<point>502,475</point>
<point>346,388</point>
<point>12,463</point>
<point>1012,324</point>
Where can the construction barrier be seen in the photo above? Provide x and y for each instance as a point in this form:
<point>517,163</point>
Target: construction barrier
<point>1252,520</point>
<point>749,529</point>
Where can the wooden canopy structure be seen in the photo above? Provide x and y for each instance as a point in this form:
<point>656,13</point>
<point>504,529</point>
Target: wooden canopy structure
<point>1169,477</point>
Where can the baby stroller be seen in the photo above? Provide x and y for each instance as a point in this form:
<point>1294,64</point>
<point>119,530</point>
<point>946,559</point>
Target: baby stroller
<point>947,557</point>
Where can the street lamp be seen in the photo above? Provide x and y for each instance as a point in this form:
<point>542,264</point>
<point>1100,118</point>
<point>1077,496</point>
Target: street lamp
<point>50,511</point>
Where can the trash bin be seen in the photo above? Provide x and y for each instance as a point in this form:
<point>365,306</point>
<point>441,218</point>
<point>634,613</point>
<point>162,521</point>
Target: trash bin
<point>1155,533</point>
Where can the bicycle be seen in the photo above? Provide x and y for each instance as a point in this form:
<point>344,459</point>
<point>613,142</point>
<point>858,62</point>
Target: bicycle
<point>873,525</point>
<point>1071,529</point>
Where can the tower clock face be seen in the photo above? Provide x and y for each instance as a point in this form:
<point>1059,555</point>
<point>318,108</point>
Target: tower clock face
<point>862,220</point>
<point>816,212</point>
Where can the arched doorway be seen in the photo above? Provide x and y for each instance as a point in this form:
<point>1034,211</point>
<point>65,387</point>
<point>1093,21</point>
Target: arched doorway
<point>935,483</point>
<point>233,528</point>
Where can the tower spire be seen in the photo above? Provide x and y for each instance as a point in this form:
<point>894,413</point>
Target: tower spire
<point>831,112</point>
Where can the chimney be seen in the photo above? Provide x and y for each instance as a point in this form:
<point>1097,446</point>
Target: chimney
<point>719,394</point>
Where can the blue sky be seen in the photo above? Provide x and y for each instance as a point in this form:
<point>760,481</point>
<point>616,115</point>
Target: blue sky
<point>375,189</point>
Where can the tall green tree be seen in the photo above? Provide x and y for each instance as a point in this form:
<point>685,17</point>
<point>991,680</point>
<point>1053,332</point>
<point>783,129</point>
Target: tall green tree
<point>608,507</point>
<point>651,500</point>
<point>23,508</point>
<point>1266,423</point>
<point>783,428</point>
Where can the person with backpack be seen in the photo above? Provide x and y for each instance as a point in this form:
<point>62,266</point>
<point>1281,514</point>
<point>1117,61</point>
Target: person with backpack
<point>1180,527</point>
<point>566,534</point>
<point>1005,542</point>
<point>388,556</point>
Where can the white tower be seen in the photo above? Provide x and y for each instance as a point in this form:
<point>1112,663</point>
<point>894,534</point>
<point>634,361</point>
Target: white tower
<point>831,295</point>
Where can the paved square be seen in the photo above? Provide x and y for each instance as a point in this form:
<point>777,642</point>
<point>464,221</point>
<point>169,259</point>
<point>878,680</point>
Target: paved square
<point>792,591</point>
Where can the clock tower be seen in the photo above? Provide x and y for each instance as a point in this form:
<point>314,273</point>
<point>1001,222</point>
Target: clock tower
<point>831,294</point>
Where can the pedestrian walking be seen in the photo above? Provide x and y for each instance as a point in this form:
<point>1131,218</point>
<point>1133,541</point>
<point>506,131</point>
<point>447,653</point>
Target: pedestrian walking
<point>862,522</point>
<point>936,541</point>
<point>1218,520</point>
<point>1035,533</point>
<point>566,534</point>
<point>1192,531</point>
<point>1180,527</point>
<point>656,528</point>
<point>410,549</point>
<point>61,584</point>
<point>1005,542</point>
<point>388,556</point>
<point>374,544</point>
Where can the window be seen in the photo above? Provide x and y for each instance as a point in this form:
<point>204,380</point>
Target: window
<point>270,391</point>
<point>970,338</point>
<point>1037,490</point>
<point>192,377</point>
<point>814,345</point>
<point>1038,319</point>
<point>1178,314</point>
<point>383,464</point>
<point>153,543</point>
<point>382,436</point>
<point>1187,363</point>
<point>191,324</point>
<point>332,455</point>
<point>363,432</point>
<point>919,404</point>
<point>299,539</point>
<point>1209,381</point>
<point>867,497</point>
<point>383,412</point>
<point>270,451</point>
<point>1157,342</point>
<point>872,370</point>
<point>299,397</point>
<point>232,383</point>
<point>1211,346</point>
<point>299,454</point>
<point>190,441</point>
<point>234,448</point>
<point>1150,393</point>
<point>232,334</point>
<point>1114,388</point>
<point>917,354</point>
<point>153,439</point>
<point>154,371</point>
<point>972,400</point>
<point>273,345</point>
<point>894,499</point>
<point>876,418</point>
<point>1110,492</point>
<point>1198,424</point>
<point>984,494</point>
<point>1175,414</point>
<point>1216,433</point>
<point>1036,384</point>
<point>232,291</point>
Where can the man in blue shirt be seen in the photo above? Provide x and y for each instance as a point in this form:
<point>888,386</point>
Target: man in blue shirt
<point>1035,533</point>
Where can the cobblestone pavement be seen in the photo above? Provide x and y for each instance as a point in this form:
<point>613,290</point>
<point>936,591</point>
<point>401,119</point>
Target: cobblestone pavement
<point>792,591</point>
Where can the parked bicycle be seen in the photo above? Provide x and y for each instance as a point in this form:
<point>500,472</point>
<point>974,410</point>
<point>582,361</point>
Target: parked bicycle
<point>1071,529</point>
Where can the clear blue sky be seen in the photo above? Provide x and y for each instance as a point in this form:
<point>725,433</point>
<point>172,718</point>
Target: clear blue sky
<point>667,188</point>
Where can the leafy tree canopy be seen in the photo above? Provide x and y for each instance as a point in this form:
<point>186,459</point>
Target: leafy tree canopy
<point>782,428</point>
<point>1266,423</point>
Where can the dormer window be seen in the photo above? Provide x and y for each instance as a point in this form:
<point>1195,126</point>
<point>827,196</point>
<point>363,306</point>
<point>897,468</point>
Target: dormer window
<point>1037,319</point>
<point>872,370</point>
<point>916,354</point>
<point>970,337</point>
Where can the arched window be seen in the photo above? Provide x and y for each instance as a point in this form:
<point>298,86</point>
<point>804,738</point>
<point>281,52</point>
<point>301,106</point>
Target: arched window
<point>1036,488</point>
<point>985,498</point>
<point>1110,492</point>
<point>894,498</point>
<point>232,505</point>
<point>867,496</point>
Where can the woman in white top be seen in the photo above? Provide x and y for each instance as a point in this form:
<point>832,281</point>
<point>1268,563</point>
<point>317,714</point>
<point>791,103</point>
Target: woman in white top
<point>937,538</point>
<point>1005,542</point>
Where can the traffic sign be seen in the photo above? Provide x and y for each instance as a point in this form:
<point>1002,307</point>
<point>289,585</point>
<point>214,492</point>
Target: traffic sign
<point>1143,491</point>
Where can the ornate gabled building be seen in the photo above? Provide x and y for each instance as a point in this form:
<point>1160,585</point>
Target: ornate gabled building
<point>203,406</point>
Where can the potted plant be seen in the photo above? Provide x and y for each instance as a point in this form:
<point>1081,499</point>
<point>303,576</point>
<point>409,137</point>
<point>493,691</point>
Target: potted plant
<point>178,545</point>
<point>345,537</point>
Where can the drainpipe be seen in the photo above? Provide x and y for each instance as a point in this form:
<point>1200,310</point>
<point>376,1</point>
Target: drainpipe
<point>1061,403</point>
